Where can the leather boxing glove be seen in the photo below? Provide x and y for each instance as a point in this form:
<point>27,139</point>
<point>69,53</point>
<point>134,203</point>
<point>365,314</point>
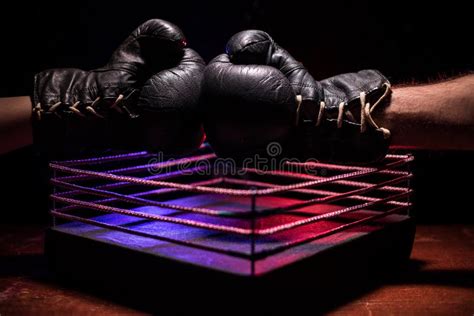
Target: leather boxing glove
<point>145,97</point>
<point>251,97</point>
<point>258,93</point>
<point>341,128</point>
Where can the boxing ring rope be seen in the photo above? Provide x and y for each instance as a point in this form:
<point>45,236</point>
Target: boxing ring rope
<point>203,189</point>
<point>134,199</point>
<point>74,182</point>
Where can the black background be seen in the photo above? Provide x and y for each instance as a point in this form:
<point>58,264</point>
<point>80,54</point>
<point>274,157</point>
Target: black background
<point>407,41</point>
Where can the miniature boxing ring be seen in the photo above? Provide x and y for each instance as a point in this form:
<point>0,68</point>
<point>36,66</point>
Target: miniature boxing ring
<point>199,212</point>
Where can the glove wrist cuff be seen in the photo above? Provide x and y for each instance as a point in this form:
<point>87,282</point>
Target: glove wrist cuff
<point>367,120</point>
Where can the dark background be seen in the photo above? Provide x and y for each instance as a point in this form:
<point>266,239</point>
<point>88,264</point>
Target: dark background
<point>408,41</point>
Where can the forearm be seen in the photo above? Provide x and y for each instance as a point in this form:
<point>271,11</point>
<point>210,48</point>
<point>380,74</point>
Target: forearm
<point>434,116</point>
<point>15,123</point>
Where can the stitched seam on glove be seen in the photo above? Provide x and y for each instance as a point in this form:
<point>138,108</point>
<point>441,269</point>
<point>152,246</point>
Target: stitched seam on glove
<point>253,43</point>
<point>303,85</point>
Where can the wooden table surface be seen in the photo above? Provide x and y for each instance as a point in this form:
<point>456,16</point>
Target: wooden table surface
<point>438,280</point>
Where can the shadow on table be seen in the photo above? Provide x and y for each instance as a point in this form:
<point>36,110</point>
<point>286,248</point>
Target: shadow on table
<point>296,291</point>
<point>33,266</point>
<point>412,273</point>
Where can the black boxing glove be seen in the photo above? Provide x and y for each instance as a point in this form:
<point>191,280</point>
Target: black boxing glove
<point>168,103</point>
<point>77,112</point>
<point>341,128</point>
<point>257,94</point>
<point>251,97</point>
